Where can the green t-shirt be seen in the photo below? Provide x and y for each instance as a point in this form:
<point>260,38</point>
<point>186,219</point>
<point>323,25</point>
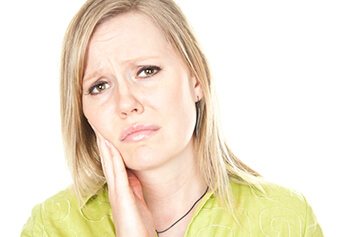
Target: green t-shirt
<point>278,212</point>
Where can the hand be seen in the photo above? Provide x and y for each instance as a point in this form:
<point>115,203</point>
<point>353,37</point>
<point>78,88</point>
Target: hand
<point>130,213</point>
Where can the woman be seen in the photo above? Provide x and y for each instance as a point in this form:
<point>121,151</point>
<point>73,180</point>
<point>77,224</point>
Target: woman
<point>142,138</point>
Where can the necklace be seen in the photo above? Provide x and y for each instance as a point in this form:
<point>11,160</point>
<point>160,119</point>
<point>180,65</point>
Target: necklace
<point>162,231</point>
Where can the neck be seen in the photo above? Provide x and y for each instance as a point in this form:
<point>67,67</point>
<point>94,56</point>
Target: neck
<point>172,189</point>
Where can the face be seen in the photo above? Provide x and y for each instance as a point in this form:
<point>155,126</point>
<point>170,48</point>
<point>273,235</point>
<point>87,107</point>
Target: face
<point>135,79</point>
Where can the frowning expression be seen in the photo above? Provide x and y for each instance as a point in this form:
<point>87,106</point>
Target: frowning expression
<point>138,92</point>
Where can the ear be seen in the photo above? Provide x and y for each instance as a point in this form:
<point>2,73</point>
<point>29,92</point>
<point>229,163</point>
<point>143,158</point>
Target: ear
<point>196,86</point>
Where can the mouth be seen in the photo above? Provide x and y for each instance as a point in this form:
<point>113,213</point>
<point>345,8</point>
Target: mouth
<point>138,133</point>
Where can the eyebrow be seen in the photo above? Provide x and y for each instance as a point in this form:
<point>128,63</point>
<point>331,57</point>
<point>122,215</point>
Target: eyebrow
<point>98,72</point>
<point>91,76</point>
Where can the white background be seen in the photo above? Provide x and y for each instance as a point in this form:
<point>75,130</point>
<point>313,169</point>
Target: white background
<point>285,76</point>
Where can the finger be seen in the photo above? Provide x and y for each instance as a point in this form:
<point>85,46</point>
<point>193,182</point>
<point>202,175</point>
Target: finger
<point>106,161</point>
<point>97,133</point>
<point>98,136</point>
<point>104,153</point>
<point>135,184</point>
<point>119,168</point>
<point>112,162</point>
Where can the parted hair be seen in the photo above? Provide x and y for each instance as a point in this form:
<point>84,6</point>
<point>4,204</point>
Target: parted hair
<point>217,162</point>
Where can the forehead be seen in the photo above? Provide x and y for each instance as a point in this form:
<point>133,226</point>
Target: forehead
<point>128,36</point>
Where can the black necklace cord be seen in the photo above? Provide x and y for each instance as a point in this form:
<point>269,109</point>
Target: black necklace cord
<point>162,231</point>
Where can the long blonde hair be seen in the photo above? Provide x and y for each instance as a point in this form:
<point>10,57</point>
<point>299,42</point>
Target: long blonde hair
<point>217,162</point>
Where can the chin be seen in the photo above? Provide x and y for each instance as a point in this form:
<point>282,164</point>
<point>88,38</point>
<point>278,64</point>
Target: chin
<point>143,158</point>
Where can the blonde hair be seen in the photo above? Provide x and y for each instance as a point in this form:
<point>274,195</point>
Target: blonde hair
<point>217,162</point>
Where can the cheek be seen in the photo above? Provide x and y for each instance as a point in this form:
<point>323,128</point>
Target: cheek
<point>100,116</point>
<point>178,106</point>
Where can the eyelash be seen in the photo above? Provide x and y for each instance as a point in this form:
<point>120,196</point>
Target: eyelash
<point>95,86</point>
<point>155,70</point>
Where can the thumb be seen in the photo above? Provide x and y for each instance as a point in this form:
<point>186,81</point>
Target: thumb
<point>135,184</point>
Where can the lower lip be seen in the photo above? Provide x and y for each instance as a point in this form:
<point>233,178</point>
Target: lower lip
<point>139,136</point>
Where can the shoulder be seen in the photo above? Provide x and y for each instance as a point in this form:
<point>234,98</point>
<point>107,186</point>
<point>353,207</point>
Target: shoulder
<point>61,215</point>
<point>275,211</point>
<point>271,194</point>
<point>276,208</point>
<point>55,207</point>
<point>272,201</point>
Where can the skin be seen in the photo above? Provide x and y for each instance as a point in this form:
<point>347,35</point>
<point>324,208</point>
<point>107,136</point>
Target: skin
<point>153,182</point>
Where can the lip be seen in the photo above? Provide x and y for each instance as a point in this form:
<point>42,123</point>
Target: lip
<point>131,133</point>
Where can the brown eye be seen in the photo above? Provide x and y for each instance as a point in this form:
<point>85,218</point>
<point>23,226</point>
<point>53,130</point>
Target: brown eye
<point>96,89</point>
<point>148,71</point>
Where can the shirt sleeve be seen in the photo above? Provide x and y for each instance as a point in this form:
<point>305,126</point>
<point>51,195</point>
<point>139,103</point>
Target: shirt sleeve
<point>34,226</point>
<point>312,227</point>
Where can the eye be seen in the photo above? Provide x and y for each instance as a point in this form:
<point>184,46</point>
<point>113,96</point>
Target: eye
<point>98,87</point>
<point>148,71</point>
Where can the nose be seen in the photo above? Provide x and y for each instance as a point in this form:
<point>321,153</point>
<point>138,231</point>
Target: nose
<point>128,102</point>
